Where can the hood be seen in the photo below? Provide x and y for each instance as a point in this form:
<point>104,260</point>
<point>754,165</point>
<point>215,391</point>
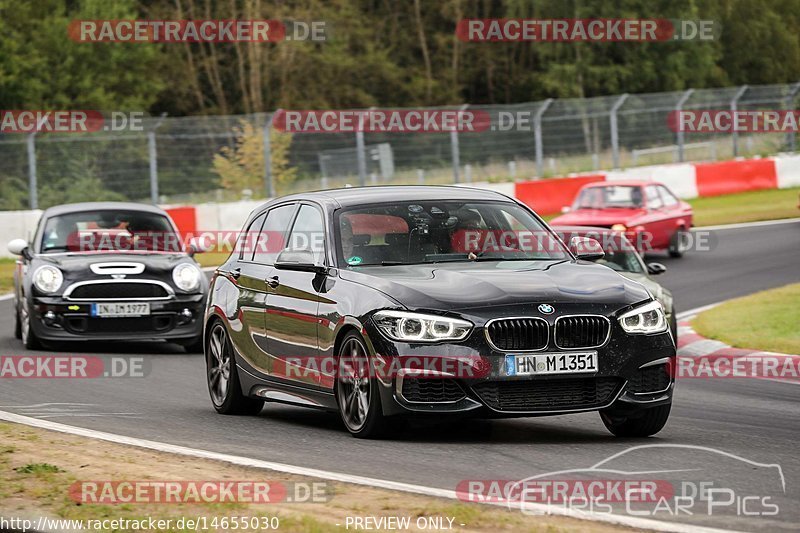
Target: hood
<point>472,285</point>
<point>659,293</point>
<point>597,217</point>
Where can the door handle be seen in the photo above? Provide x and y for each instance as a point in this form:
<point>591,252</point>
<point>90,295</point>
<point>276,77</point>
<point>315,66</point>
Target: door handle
<point>273,282</point>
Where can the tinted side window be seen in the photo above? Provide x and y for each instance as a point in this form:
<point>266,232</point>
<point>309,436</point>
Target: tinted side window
<point>668,197</point>
<point>308,233</point>
<point>243,244</point>
<point>653,199</point>
<point>271,240</point>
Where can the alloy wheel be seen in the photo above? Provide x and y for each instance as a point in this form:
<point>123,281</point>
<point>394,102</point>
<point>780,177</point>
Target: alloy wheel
<point>354,388</point>
<point>219,365</point>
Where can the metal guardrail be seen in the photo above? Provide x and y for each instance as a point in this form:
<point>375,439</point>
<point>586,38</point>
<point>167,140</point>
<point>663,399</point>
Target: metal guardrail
<point>172,159</point>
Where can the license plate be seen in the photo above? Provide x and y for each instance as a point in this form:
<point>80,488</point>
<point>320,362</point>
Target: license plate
<point>551,363</point>
<point>111,310</point>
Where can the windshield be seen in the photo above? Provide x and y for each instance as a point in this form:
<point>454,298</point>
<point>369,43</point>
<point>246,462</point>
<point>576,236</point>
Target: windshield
<point>94,231</point>
<point>440,231</point>
<point>623,196</point>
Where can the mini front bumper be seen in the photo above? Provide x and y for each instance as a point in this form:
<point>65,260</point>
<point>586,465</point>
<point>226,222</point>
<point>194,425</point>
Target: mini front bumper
<point>470,377</point>
<point>56,319</point>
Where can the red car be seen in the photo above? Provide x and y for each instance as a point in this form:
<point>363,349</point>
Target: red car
<point>649,214</point>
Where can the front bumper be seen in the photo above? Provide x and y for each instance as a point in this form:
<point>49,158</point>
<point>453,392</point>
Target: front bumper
<point>634,372</point>
<point>72,321</point>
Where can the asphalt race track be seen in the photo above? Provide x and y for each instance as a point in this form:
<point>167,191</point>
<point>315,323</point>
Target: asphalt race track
<point>755,420</point>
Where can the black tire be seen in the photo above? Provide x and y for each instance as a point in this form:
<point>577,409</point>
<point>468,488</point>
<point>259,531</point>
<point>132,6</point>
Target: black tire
<point>227,400</point>
<point>27,334</point>
<point>362,423</point>
<point>17,324</point>
<point>649,422</point>
<point>678,243</point>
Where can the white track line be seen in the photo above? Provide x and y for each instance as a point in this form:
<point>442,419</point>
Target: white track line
<point>623,520</point>
<point>8,296</point>
<point>697,310</point>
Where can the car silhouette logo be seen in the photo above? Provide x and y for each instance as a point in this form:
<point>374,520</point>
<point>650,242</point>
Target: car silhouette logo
<point>546,309</point>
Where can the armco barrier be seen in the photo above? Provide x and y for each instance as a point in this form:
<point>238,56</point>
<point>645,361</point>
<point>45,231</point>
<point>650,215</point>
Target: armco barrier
<point>546,196</point>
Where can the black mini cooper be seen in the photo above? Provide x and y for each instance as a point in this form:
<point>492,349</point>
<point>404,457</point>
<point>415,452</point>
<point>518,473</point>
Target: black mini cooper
<point>385,301</point>
<point>109,271</point>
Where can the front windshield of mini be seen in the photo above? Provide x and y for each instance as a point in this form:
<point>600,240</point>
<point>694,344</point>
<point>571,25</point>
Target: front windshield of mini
<point>109,231</point>
<point>420,232</point>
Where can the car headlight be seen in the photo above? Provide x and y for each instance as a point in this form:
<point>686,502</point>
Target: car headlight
<point>186,277</point>
<point>416,327</point>
<point>648,318</point>
<point>48,278</point>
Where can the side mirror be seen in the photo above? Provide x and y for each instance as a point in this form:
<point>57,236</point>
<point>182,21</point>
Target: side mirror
<point>300,260</point>
<point>586,248</point>
<point>196,246</point>
<point>566,209</point>
<point>17,246</point>
<point>654,269</point>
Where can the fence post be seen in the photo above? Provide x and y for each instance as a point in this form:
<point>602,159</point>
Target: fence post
<point>361,156</point>
<point>612,116</point>
<point>455,153</point>
<point>269,184</point>
<point>537,135</point>
<point>33,190</point>
<point>792,136</point>
<point>734,107</point>
<point>679,132</point>
<point>153,156</point>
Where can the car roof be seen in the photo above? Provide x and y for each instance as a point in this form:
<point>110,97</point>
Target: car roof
<point>353,196</point>
<point>101,206</point>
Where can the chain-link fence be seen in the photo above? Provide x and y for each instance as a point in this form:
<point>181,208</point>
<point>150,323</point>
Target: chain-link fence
<point>216,158</point>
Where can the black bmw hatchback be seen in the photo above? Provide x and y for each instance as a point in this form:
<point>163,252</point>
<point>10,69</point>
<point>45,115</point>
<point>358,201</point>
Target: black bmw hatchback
<point>107,271</point>
<point>385,301</point>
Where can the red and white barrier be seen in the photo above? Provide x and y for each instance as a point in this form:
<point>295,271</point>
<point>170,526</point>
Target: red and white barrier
<point>546,196</point>
<point>687,180</point>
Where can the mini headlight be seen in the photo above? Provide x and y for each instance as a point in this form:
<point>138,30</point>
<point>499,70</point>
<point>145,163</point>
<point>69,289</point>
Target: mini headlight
<point>186,277</point>
<point>48,278</point>
<point>648,318</point>
<point>416,327</point>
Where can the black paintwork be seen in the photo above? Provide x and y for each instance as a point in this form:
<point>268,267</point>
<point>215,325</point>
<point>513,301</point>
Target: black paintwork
<point>307,313</point>
<point>75,266</point>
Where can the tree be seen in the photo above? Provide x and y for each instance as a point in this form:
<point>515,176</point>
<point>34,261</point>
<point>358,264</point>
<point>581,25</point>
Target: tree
<point>241,166</point>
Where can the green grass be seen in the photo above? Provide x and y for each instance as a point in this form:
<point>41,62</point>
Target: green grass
<point>38,468</point>
<point>770,204</point>
<point>211,259</point>
<point>765,321</point>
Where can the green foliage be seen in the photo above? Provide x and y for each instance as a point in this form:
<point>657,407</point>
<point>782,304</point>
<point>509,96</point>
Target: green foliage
<point>38,468</point>
<point>241,166</point>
